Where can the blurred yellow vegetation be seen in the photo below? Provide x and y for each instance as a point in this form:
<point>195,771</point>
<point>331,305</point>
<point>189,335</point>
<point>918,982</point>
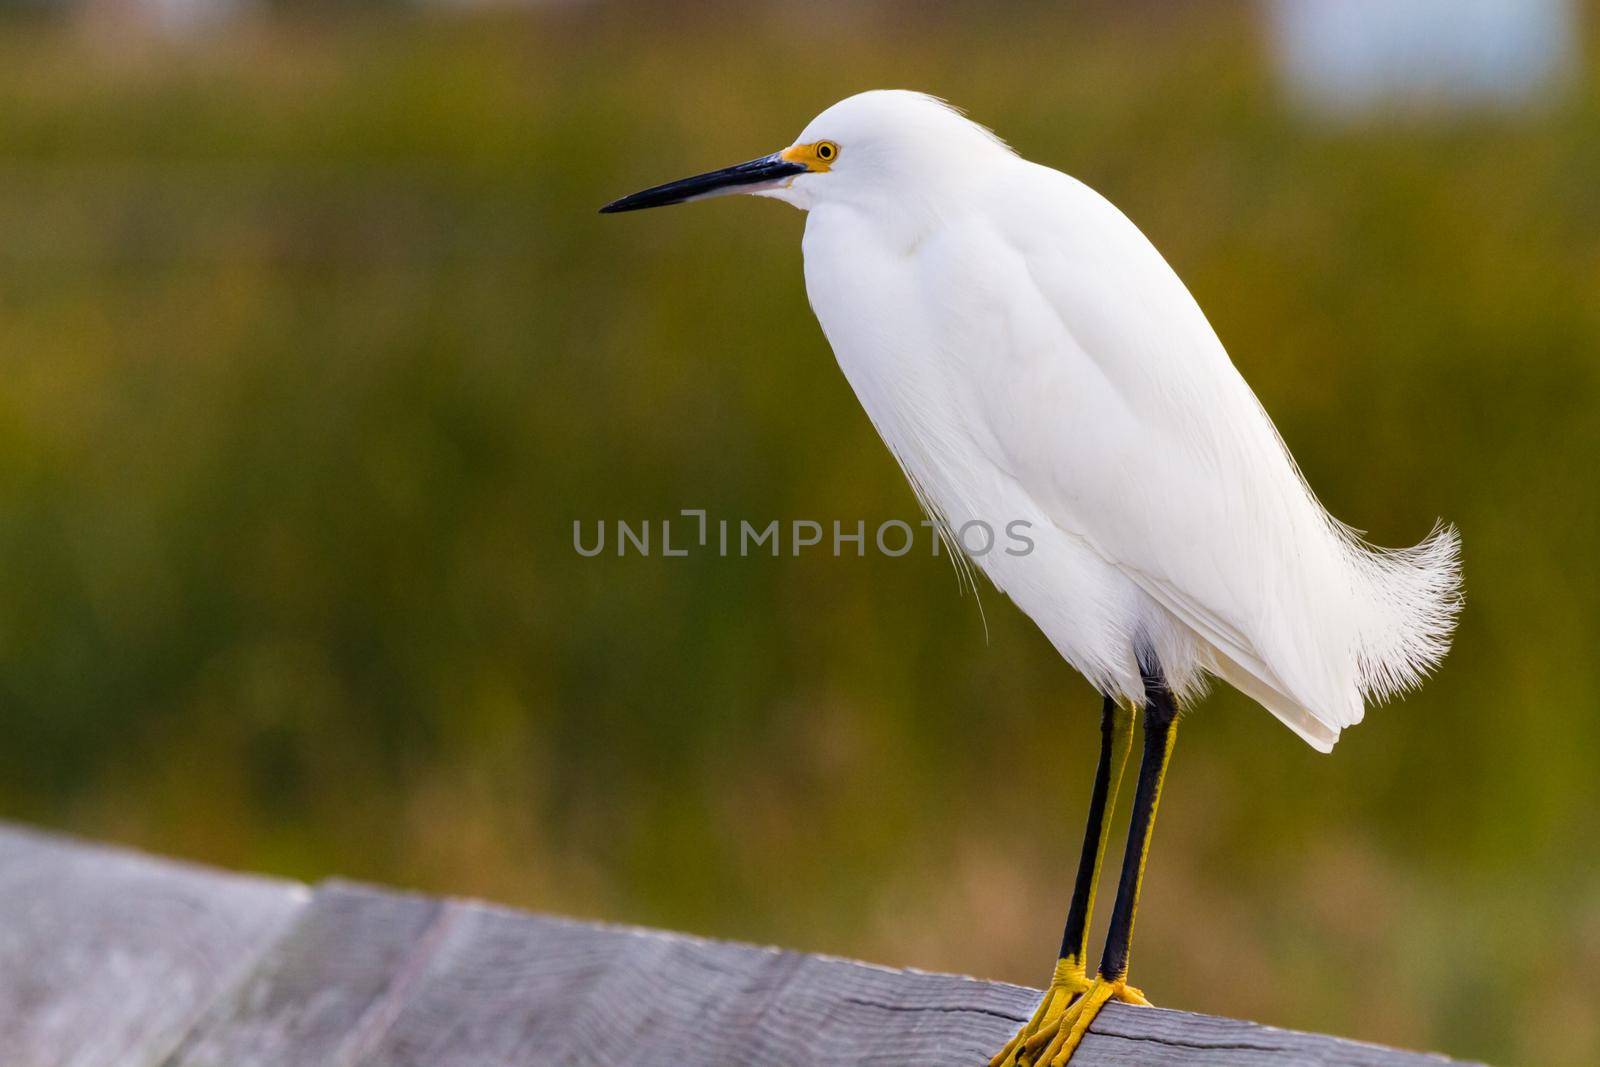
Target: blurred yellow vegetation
<point>314,348</point>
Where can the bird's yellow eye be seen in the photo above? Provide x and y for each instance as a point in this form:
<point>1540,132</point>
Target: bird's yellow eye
<point>816,156</point>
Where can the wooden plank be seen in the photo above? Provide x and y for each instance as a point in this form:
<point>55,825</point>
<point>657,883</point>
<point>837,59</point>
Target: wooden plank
<point>319,989</point>
<point>107,957</point>
<point>375,979</point>
<point>112,958</point>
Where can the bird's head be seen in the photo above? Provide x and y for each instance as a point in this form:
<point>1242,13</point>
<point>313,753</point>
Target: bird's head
<point>888,143</point>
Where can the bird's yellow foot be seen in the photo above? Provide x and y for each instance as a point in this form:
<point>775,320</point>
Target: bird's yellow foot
<point>1056,1037</point>
<point>1066,985</point>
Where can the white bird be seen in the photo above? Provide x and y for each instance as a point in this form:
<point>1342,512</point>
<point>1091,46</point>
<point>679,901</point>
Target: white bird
<point>1027,355</point>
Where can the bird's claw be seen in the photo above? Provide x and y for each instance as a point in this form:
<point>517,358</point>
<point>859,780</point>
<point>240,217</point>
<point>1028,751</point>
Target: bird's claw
<point>1053,1035</point>
<point>1066,985</point>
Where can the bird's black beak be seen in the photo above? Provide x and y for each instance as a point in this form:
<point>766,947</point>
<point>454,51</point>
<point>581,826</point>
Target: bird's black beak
<point>768,171</point>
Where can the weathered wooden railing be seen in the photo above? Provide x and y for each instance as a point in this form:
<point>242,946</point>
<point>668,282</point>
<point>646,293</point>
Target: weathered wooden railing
<point>113,959</point>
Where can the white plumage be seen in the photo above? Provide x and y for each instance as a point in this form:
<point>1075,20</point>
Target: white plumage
<point>1030,358</point>
<point>1027,354</point>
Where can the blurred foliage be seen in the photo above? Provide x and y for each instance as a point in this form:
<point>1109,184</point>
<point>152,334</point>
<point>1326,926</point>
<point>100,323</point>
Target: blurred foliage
<point>314,348</point>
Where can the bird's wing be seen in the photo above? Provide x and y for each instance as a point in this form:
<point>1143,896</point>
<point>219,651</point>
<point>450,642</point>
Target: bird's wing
<point>1115,407</point>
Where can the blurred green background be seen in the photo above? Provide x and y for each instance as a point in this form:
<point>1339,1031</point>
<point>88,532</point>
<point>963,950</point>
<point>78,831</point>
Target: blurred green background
<point>314,348</point>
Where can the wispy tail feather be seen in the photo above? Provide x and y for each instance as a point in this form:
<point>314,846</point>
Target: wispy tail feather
<point>1414,596</point>
<point>1406,601</point>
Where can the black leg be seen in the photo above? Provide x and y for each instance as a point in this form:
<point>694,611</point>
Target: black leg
<point>1160,732</point>
<point>1070,981</point>
<point>1071,1004</point>
<point>1116,729</point>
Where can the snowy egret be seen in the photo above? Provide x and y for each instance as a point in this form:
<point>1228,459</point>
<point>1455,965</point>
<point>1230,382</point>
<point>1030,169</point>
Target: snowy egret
<point>1027,354</point>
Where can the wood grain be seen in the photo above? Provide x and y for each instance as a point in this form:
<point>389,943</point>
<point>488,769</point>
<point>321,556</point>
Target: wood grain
<point>115,959</point>
<point>107,958</point>
<point>476,986</point>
